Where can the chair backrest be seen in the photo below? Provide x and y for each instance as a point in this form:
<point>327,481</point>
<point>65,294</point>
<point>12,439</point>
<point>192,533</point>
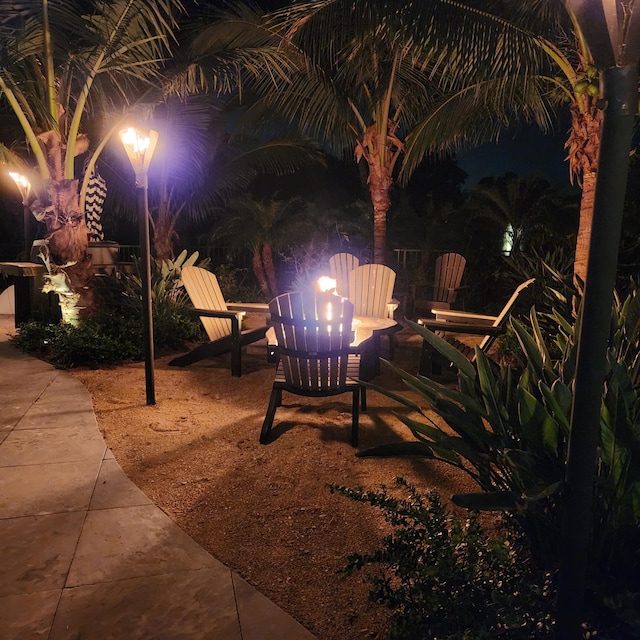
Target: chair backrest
<point>448,275</point>
<point>371,289</point>
<point>340,265</point>
<point>204,291</point>
<point>503,316</point>
<point>313,331</point>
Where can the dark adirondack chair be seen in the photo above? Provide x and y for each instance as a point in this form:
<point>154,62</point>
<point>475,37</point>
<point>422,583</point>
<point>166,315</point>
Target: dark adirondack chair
<point>313,332</point>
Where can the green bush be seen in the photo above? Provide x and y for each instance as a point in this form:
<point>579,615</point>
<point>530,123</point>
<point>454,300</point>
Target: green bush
<point>445,578</point>
<point>116,334</point>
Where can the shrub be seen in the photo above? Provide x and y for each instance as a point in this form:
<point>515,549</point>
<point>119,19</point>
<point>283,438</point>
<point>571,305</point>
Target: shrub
<point>444,577</point>
<point>115,334</point>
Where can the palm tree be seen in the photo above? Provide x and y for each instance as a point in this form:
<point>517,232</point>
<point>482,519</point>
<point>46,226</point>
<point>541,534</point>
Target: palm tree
<point>523,208</point>
<point>196,180</point>
<point>564,78</point>
<point>64,67</point>
<point>362,75</point>
<point>264,227</point>
<point>391,83</point>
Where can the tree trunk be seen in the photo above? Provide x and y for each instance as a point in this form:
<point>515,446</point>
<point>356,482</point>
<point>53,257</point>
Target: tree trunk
<point>584,226</point>
<point>66,240</point>
<point>163,235</point>
<point>258,270</point>
<point>380,182</point>
<point>270,269</point>
<point>583,146</point>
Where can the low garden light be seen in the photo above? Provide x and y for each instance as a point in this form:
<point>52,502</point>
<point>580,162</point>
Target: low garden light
<point>24,187</point>
<point>611,29</point>
<point>140,148</point>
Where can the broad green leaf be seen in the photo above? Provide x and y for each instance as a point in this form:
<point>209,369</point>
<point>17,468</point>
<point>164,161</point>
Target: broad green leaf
<point>557,400</point>
<point>453,445</point>
<point>539,426</point>
<point>549,490</point>
<point>537,334</point>
<point>410,404</point>
<point>490,501</point>
<point>529,346</point>
<point>496,414</point>
<point>397,449</point>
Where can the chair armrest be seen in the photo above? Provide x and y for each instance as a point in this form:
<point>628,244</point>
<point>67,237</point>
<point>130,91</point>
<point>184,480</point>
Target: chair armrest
<point>392,305</point>
<point>454,327</point>
<point>461,317</point>
<point>248,306</point>
<point>234,316</point>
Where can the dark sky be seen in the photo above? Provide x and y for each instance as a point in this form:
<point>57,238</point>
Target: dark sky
<point>528,153</point>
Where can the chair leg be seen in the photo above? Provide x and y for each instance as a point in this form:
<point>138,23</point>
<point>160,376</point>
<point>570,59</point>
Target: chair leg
<point>355,409</point>
<point>429,366</point>
<point>363,398</point>
<point>274,403</point>
<point>392,345</point>
<point>236,360</point>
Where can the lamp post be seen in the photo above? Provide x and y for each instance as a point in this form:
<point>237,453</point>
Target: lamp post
<point>611,29</point>
<point>140,148</point>
<point>24,186</point>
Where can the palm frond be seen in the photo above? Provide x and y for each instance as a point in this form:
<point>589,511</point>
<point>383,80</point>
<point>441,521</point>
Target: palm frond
<point>473,115</point>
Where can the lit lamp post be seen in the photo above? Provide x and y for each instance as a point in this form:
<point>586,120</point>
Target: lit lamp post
<point>24,186</point>
<point>140,149</point>
<point>611,29</point>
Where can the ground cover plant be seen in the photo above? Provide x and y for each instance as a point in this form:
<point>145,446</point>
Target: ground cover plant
<point>443,576</point>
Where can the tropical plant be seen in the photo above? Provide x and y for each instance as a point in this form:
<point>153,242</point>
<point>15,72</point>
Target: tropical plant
<point>200,163</point>
<point>508,430</point>
<point>445,577</point>
<point>65,66</point>
<point>360,77</point>
<point>262,227</point>
<point>524,209</point>
<point>519,86</point>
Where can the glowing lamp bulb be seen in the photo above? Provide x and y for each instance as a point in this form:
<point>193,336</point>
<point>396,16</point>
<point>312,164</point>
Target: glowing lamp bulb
<point>325,283</point>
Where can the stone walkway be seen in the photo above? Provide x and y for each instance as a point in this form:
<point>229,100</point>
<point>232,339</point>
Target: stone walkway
<point>85,554</point>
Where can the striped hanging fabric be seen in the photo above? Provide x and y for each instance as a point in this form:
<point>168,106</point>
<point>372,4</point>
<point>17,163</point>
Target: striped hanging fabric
<point>94,201</point>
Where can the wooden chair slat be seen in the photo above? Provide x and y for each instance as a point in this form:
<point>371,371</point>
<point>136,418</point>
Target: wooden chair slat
<point>313,332</point>
<point>225,332</point>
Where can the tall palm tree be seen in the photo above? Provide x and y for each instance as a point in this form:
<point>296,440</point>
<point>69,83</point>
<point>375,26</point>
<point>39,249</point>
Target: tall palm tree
<point>391,82</point>
<point>565,77</point>
<point>364,74</point>
<point>65,65</point>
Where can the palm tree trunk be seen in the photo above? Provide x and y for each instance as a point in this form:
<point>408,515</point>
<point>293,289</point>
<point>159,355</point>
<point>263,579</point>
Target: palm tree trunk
<point>380,182</point>
<point>583,146</point>
<point>163,234</point>
<point>270,269</point>
<point>67,239</point>
<point>584,226</point>
<point>261,276</point>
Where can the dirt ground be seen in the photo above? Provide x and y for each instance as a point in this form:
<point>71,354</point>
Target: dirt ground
<point>265,510</point>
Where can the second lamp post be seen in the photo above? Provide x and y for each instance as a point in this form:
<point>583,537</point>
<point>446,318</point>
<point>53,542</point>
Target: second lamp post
<point>140,148</point>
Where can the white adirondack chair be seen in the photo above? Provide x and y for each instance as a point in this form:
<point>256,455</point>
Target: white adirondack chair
<point>221,321</point>
<point>340,265</point>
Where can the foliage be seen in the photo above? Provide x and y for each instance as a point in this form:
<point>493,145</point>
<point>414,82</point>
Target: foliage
<point>235,284</point>
<point>509,431</point>
<point>446,578</point>
<point>115,334</point>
